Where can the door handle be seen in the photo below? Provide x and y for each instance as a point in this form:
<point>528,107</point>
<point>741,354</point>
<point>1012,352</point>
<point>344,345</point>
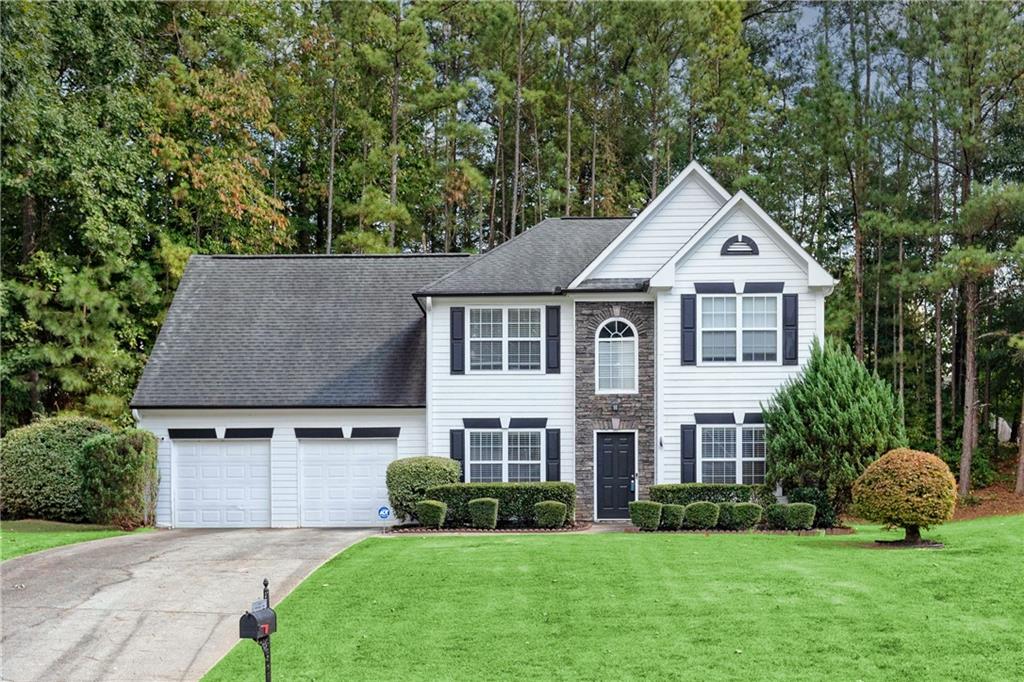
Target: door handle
<point>632,483</point>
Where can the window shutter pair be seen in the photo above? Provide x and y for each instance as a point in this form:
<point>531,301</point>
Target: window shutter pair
<point>552,455</point>
<point>688,329</point>
<point>552,340</point>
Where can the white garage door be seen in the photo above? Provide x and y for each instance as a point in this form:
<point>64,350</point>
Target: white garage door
<point>343,482</point>
<point>222,484</point>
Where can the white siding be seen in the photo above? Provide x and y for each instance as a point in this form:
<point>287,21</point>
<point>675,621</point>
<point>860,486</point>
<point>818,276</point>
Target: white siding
<point>499,394</point>
<point>724,387</point>
<point>284,455</point>
<point>661,235</point>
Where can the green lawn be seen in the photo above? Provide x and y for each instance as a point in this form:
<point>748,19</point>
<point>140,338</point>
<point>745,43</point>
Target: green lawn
<point>25,537</point>
<point>632,606</point>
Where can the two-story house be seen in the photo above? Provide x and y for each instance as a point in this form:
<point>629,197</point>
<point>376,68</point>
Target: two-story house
<point>611,352</point>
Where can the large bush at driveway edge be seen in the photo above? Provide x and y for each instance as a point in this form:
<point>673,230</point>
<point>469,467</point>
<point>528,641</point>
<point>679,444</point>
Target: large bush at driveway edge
<point>409,478</point>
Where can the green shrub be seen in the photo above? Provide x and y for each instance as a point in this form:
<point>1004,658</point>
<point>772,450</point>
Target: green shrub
<point>725,520</point>
<point>828,423</point>
<point>40,468</point>
<point>516,500</point>
<point>549,514</point>
<point>672,516</point>
<point>906,488</point>
<point>775,516</point>
<point>645,515</point>
<point>746,515</point>
<point>483,512</point>
<point>799,516</point>
<point>687,493</point>
<point>430,513</point>
<point>826,516</point>
<point>701,515</point>
<point>119,478</point>
<point>408,480</point>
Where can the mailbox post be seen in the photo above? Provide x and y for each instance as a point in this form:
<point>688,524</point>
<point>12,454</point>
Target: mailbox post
<point>258,624</point>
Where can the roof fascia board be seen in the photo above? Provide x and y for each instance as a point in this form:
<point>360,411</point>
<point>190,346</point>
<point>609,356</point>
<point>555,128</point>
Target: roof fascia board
<point>693,169</point>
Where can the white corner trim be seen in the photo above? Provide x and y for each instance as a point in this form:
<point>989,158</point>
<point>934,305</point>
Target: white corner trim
<point>817,276</point>
<point>692,168</point>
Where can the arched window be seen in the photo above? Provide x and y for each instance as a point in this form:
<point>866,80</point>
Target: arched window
<point>616,357</point>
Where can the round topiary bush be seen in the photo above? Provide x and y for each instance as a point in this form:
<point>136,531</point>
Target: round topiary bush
<point>701,515</point>
<point>745,515</point>
<point>672,516</point>
<point>483,512</point>
<point>906,488</point>
<point>799,516</point>
<point>409,478</point>
<point>645,515</point>
<point>40,468</point>
<point>549,514</point>
<point>430,513</point>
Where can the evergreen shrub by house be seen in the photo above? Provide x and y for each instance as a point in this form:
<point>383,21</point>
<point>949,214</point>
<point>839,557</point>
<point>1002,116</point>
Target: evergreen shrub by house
<point>430,513</point>
<point>828,423</point>
<point>549,514</point>
<point>725,519</point>
<point>799,516</point>
<point>826,516</point>
<point>645,515</point>
<point>516,500</point>
<point>700,515</point>
<point>685,493</point>
<point>672,516</point>
<point>906,488</point>
<point>745,515</point>
<point>119,478</point>
<point>483,512</point>
<point>40,468</point>
<point>775,516</point>
<point>409,478</point>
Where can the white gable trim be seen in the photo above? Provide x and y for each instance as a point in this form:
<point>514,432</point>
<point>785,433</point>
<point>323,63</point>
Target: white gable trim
<point>817,276</point>
<point>693,168</point>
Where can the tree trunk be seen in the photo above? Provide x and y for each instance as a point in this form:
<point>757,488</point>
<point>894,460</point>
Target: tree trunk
<point>519,110</point>
<point>593,165</point>
<point>396,77</point>
<point>878,298</point>
<point>494,199</point>
<point>936,215</point>
<point>28,227</point>
<point>330,163</point>
<point>899,315</point>
<point>568,125</point>
<point>938,374</point>
<point>970,384</point>
<point>913,535</point>
<point>1019,488</point>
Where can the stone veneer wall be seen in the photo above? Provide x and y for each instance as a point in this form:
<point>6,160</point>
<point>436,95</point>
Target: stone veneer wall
<point>597,412</point>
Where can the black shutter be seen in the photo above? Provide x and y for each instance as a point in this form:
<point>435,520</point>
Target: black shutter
<point>553,342</point>
<point>689,453</point>
<point>688,312</point>
<point>553,454</point>
<point>457,448</point>
<point>790,330</point>
<point>458,340</point>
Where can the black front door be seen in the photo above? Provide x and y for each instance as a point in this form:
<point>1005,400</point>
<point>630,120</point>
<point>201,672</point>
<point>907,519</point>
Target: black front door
<point>616,473</point>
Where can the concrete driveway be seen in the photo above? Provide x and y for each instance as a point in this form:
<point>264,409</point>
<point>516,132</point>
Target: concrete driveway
<point>156,606</point>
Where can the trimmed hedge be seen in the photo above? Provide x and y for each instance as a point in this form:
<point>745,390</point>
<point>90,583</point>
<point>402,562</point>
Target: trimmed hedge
<point>826,516</point>
<point>409,478</point>
<point>746,515</point>
<point>672,516</point>
<point>40,468</point>
<point>800,516</point>
<point>483,512</point>
<point>775,516</point>
<point>119,478</point>
<point>725,519</point>
<point>687,493</point>
<point>515,500</point>
<point>701,515</point>
<point>430,513</point>
<point>549,514</point>
<point>645,515</point>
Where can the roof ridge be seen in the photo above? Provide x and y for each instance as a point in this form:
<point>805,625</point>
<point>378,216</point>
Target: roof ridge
<point>296,256</point>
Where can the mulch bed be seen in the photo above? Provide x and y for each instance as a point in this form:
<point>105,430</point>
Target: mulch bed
<point>420,530</point>
<point>995,500</point>
<point>633,529</point>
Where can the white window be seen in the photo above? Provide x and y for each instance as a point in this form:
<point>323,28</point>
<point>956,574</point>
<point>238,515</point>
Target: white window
<point>523,338</point>
<point>616,357</point>
<point>751,336</point>
<point>485,338</point>
<point>485,456</point>
<point>512,456</point>
<point>732,454</point>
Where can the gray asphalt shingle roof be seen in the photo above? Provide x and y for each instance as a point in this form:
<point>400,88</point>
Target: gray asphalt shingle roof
<point>542,260</point>
<point>294,331</point>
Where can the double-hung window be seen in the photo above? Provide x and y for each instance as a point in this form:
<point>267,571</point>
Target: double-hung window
<point>732,454</point>
<point>749,334</point>
<point>512,456</point>
<point>504,339</point>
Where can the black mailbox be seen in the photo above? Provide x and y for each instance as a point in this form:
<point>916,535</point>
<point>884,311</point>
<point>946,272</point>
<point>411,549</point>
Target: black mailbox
<point>257,624</point>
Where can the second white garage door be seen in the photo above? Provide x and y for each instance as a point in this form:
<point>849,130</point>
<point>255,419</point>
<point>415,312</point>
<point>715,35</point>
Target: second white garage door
<point>343,482</point>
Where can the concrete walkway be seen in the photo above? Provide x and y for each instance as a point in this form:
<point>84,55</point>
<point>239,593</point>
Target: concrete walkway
<point>155,606</point>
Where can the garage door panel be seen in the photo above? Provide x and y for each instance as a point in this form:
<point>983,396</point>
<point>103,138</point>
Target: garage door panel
<point>343,482</point>
<point>223,484</point>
